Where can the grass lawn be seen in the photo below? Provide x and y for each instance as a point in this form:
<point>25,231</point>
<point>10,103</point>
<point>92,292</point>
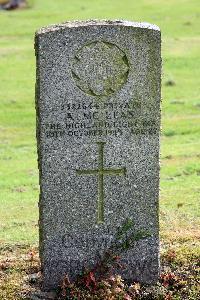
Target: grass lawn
<point>179,21</point>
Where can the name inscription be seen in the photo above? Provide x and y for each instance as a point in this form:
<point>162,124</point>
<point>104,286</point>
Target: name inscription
<point>100,119</point>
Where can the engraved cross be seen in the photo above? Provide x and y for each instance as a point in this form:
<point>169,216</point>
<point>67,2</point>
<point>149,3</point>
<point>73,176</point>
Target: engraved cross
<point>101,172</point>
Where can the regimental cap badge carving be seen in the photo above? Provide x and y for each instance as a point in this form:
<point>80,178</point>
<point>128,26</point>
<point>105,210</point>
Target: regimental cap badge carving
<point>100,68</point>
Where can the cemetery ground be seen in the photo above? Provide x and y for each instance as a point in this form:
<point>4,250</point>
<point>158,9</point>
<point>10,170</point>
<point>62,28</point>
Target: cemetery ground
<point>180,142</point>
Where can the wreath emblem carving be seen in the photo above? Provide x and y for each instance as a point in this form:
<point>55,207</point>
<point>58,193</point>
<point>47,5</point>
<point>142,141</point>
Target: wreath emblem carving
<point>100,68</point>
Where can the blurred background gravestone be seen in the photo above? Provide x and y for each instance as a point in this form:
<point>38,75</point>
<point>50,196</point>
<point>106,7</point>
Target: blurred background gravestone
<point>13,4</point>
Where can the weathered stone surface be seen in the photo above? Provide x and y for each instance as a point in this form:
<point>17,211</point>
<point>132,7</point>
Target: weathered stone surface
<point>98,123</point>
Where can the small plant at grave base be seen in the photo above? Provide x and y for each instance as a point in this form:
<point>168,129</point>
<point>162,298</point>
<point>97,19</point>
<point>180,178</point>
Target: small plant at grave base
<point>99,283</point>
<point>111,288</point>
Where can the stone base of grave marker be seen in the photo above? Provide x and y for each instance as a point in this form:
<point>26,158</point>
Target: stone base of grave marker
<point>98,124</point>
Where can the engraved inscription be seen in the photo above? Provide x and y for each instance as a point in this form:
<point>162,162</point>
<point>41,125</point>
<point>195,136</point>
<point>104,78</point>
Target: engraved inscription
<point>100,120</point>
<point>100,68</point>
<point>101,172</point>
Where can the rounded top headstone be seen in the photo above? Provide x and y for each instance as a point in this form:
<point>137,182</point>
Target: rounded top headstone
<point>72,24</point>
